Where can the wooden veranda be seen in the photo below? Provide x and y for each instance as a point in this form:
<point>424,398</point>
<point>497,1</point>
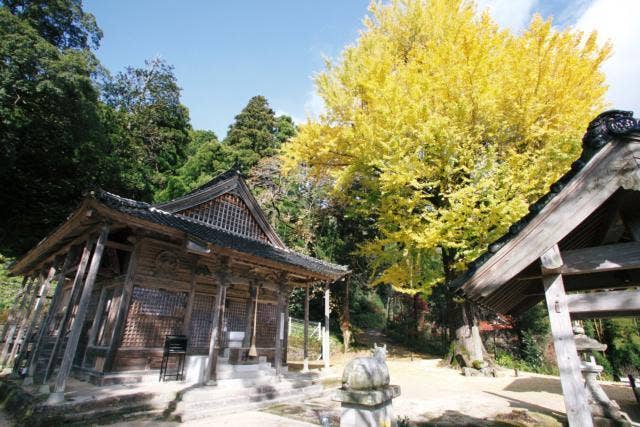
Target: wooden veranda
<point>578,248</point>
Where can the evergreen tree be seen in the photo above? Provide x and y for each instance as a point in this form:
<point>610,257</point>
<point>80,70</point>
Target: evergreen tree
<point>155,120</point>
<point>50,135</point>
<point>254,134</point>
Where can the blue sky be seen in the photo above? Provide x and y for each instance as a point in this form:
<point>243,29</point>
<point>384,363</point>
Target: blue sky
<point>225,52</point>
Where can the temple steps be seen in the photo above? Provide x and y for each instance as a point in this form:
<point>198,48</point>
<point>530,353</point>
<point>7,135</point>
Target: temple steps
<point>211,402</point>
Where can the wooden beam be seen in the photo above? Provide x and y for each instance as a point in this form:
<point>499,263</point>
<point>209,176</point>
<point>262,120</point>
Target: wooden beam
<point>621,256</point>
<point>573,388</point>
<point>66,316</point>
<point>122,246</point>
<point>83,307</point>
<point>604,304</point>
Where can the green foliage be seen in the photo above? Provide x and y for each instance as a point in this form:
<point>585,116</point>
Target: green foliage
<point>50,133</point>
<point>155,120</point>
<point>623,341</point>
<point>254,134</point>
<point>508,360</point>
<point>368,309</point>
<point>62,23</point>
<point>9,287</point>
<point>533,334</point>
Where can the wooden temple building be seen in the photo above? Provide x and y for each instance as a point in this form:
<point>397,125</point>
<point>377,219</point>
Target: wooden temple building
<point>122,275</point>
<point>578,249</point>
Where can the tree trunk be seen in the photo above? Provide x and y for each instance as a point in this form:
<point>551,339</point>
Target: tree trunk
<point>467,344</point>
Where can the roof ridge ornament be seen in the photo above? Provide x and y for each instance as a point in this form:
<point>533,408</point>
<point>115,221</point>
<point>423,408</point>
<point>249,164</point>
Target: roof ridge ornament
<point>608,125</point>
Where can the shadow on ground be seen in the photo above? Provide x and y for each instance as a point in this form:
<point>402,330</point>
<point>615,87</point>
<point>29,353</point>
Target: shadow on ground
<point>622,394</point>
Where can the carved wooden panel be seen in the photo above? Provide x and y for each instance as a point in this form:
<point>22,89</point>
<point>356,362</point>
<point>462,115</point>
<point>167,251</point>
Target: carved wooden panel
<point>153,314</point>
<point>229,213</point>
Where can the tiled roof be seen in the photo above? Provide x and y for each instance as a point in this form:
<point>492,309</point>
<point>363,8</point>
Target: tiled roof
<point>218,237</point>
<point>600,132</point>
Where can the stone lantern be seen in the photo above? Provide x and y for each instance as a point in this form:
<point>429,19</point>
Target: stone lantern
<point>600,404</point>
<point>366,395</point>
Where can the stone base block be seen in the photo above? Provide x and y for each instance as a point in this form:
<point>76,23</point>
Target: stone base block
<point>352,415</point>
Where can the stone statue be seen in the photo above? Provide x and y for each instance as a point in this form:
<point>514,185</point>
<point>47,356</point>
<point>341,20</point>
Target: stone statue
<point>366,395</point>
<point>367,373</point>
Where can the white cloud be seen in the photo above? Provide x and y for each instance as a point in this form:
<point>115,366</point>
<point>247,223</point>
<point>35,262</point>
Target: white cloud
<point>314,105</point>
<point>618,22</point>
<point>513,14</point>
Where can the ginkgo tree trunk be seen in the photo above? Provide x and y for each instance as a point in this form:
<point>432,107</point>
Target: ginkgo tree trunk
<point>441,128</point>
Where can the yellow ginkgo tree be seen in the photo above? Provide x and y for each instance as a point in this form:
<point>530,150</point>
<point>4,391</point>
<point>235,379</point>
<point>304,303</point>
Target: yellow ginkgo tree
<point>442,128</point>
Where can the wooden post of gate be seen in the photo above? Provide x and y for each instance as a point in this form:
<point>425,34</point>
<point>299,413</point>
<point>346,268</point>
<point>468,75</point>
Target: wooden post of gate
<point>573,387</point>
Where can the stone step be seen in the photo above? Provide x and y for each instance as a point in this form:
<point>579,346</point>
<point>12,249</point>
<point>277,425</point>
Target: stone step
<point>226,367</point>
<point>226,389</point>
<point>201,410</point>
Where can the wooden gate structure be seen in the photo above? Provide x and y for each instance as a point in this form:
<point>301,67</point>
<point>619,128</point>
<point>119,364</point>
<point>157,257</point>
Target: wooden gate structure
<point>578,248</point>
<point>129,274</point>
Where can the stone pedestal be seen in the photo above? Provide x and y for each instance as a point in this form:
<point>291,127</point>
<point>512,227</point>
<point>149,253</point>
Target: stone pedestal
<point>371,408</point>
<point>194,367</point>
<point>600,404</point>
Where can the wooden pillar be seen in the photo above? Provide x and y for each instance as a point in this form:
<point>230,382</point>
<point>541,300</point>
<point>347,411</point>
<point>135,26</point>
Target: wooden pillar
<point>123,308</point>
<point>573,387</point>
<point>282,289</point>
<point>20,314</point>
<point>10,358</point>
<point>66,316</point>
<point>37,311</point>
<point>305,348</point>
<point>215,325</point>
<point>44,326</point>
<point>222,276</point>
<point>287,326</point>
<point>345,324</point>
<point>186,327</point>
<point>250,308</point>
<point>83,306</point>
<point>325,339</point>
<point>97,319</point>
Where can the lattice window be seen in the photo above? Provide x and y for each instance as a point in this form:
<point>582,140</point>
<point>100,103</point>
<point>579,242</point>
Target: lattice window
<point>154,313</point>
<point>200,328</point>
<point>266,326</point>
<point>229,213</point>
<point>235,319</point>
